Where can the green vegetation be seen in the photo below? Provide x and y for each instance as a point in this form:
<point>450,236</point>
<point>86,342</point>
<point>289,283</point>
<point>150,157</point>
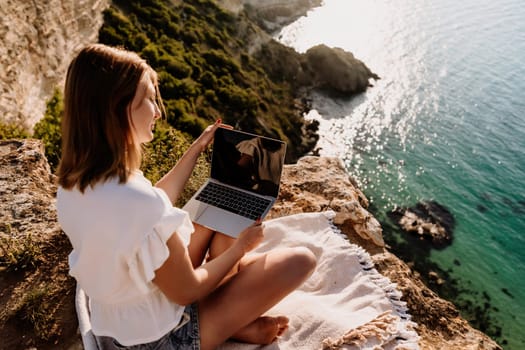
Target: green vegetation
<point>204,72</point>
<point>12,131</point>
<point>204,68</point>
<point>48,128</point>
<point>162,153</point>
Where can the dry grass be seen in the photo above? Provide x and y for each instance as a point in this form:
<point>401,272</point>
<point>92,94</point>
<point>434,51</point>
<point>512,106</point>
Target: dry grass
<point>35,309</point>
<point>37,300</point>
<point>18,252</point>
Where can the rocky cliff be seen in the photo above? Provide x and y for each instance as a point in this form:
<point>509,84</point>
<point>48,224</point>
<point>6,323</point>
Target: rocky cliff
<point>319,183</point>
<point>39,39</point>
<point>332,70</point>
<point>36,293</point>
<point>313,184</point>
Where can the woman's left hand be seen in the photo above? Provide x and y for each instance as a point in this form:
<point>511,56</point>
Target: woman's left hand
<point>174,181</point>
<point>207,135</point>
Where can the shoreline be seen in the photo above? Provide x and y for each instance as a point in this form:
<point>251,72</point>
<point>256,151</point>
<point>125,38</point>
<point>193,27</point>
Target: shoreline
<point>482,308</point>
<point>476,304</point>
<point>443,282</point>
<point>306,188</point>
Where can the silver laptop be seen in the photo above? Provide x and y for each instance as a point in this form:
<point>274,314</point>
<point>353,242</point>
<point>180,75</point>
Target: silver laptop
<point>244,181</point>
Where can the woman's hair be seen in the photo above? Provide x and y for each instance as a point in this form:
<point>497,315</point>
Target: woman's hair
<point>97,139</point>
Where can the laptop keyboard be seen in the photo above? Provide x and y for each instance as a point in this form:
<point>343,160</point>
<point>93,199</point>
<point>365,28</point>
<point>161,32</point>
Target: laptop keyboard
<point>234,201</point>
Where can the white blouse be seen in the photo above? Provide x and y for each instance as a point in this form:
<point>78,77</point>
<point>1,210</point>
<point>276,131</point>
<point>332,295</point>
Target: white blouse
<point>119,234</point>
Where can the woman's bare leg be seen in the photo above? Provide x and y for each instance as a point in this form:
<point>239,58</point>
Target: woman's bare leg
<point>199,244</point>
<point>234,309</point>
<point>208,244</point>
<point>262,330</point>
<point>218,245</point>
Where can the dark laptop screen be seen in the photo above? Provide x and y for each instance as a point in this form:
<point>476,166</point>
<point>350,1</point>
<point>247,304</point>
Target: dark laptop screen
<point>248,161</point>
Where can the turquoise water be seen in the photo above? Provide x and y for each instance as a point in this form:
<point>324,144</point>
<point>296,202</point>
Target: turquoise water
<point>446,121</point>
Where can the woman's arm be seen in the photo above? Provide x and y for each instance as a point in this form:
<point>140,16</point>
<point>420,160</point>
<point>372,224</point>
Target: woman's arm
<point>174,181</point>
<point>184,284</point>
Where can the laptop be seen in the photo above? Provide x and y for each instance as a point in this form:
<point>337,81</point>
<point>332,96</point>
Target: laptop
<point>244,182</point>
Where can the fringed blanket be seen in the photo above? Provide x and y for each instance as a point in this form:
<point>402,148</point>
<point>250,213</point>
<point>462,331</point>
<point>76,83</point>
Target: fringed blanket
<point>345,304</point>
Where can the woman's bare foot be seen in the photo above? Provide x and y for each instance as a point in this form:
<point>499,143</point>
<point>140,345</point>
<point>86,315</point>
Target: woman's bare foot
<point>263,330</point>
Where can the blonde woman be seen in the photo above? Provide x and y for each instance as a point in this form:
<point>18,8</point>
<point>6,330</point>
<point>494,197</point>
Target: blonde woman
<point>154,279</point>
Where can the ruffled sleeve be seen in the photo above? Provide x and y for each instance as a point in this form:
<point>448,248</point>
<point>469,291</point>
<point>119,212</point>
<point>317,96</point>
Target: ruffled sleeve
<point>153,251</point>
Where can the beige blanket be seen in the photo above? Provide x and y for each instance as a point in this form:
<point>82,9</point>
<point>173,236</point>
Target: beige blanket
<point>345,304</point>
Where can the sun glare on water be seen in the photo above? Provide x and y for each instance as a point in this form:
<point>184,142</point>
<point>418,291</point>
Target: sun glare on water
<point>367,124</point>
<point>350,23</point>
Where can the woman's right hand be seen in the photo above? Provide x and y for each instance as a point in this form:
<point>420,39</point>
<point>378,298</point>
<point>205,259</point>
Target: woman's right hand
<point>250,237</point>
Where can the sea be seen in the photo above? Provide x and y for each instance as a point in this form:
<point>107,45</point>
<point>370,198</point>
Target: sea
<point>446,122</point>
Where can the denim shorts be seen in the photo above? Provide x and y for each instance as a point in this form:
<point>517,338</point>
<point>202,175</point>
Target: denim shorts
<point>185,336</point>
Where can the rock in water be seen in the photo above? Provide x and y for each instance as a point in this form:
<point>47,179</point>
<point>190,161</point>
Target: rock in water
<point>337,71</point>
<point>429,219</point>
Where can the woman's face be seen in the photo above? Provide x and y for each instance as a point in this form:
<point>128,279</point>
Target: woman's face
<point>144,111</point>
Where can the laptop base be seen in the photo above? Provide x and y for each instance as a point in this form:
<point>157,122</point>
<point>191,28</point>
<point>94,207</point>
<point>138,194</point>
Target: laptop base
<point>217,219</point>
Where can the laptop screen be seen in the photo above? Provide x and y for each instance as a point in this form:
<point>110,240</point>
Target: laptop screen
<point>248,161</point>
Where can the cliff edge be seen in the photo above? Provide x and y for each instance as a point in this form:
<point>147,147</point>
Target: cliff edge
<point>39,39</point>
<point>37,294</point>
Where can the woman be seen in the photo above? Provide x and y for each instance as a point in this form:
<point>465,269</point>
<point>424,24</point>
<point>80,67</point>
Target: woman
<point>154,279</point>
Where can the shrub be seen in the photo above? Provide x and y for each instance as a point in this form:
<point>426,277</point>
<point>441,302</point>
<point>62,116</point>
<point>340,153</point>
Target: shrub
<point>119,32</point>
<point>48,129</point>
<point>161,154</point>
<point>211,97</point>
<point>175,66</point>
<point>208,80</point>
<point>237,98</point>
<point>12,131</point>
<point>220,62</point>
<point>151,54</point>
<point>213,40</point>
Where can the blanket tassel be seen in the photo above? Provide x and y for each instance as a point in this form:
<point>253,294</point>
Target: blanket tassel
<point>382,327</point>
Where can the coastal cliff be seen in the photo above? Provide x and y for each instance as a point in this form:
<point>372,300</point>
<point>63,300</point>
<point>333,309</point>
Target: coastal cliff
<point>37,294</point>
<point>39,39</point>
<point>234,67</point>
